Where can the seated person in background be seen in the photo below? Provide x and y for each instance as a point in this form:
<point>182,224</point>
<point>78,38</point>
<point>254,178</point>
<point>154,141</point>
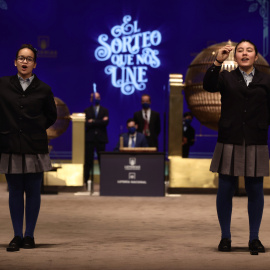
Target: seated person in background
<point>133,138</point>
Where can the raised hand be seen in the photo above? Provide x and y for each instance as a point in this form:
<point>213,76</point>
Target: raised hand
<point>223,53</point>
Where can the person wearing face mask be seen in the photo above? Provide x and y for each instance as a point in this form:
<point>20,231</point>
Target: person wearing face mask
<point>188,134</point>
<point>148,121</point>
<point>133,138</point>
<point>96,138</point>
<point>241,148</point>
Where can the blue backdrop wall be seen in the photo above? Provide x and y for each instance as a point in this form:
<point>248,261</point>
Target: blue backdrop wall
<point>68,34</point>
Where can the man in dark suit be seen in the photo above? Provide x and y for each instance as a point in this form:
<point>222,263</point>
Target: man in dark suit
<point>133,138</point>
<point>96,121</point>
<point>188,134</point>
<point>148,121</point>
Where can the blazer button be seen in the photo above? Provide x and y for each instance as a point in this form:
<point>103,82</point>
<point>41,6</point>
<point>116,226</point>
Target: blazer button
<point>244,123</point>
<point>21,106</point>
<point>20,131</point>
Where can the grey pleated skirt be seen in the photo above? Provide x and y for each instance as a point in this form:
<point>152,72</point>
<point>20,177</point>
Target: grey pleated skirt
<point>25,163</point>
<point>241,160</point>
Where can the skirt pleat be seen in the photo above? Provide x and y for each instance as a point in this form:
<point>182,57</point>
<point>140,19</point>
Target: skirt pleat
<point>25,163</point>
<point>225,163</point>
<point>241,160</point>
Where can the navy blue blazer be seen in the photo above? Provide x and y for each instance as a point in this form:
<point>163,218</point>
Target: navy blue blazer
<point>140,140</point>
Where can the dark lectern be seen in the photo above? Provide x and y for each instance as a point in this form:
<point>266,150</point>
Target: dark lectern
<point>132,174</point>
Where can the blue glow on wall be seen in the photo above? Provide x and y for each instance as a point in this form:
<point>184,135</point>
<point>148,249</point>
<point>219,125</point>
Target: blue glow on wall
<point>3,5</point>
<point>131,52</point>
<point>66,34</point>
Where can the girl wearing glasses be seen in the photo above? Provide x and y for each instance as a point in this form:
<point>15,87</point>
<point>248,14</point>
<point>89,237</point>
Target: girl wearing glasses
<point>27,109</point>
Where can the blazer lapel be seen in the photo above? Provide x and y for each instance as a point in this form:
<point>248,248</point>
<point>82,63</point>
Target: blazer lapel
<point>141,119</point>
<point>137,143</point>
<point>94,111</point>
<point>150,117</point>
<point>99,111</point>
<point>239,77</point>
<point>33,84</point>
<point>16,83</point>
<point>257,76</point>
<point>256,79</point>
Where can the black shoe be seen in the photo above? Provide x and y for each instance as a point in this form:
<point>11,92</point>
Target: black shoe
<point>28,242</point>
<point>256,246</point>
<point>15,244</point>
<point>225,245</point>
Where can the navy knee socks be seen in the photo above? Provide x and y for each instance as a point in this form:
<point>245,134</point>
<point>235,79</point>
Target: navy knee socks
<point>226,190</point>
<point>29,184</point>
<point>254,189</point>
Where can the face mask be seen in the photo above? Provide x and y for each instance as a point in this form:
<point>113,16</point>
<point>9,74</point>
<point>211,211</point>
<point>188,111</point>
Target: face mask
<point>131,130</point>
<point>187,122</point>
<point>97,101</point>
<point>145,105</point>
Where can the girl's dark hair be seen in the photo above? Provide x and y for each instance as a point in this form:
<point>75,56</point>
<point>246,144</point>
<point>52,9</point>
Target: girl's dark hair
<point>246,40</point>
<point>30,47</point>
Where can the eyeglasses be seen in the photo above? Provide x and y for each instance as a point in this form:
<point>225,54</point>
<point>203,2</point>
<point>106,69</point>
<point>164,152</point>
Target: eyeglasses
<point>28,59</point>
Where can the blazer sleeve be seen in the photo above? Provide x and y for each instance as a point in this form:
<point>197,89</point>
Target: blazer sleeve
<point>139,120</point>
<point>125,139</point>
<point>50,110</point>
<point>211,80</point>
<point>135,117</point>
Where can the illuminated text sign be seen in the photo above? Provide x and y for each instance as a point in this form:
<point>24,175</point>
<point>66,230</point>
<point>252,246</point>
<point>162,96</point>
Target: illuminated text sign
<point>130,53</point>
